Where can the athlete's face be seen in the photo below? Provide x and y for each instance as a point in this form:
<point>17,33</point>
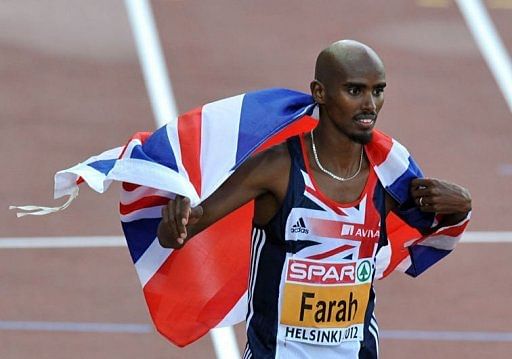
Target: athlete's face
<point>352,99</point>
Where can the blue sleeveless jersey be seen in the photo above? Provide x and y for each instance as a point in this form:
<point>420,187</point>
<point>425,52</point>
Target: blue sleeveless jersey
<point>312,268</point>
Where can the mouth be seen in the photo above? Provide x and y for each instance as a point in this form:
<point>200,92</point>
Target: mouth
<point>365,122</point>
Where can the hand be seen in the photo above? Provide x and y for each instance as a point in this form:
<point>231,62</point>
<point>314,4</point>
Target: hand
<point>176,216</point>
<point>434,195</point>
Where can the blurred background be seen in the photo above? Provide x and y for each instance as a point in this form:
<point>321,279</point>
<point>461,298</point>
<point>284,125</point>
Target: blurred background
<point>72,86</point>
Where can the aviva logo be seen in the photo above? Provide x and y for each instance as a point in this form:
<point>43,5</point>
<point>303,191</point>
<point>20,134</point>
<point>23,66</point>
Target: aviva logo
<point>300,227</point>
<point>358,232</point>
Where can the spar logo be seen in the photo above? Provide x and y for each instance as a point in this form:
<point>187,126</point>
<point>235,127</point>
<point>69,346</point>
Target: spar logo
<point>303,271</point>
<point>352,231</point>
<point>364,271</point>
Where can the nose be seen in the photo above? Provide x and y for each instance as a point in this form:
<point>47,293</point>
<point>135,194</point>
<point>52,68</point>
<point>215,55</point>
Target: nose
<point>369,103</point>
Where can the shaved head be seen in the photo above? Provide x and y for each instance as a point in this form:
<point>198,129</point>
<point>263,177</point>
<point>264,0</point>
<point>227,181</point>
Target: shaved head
<point>349,89</point>
<point>345,58</point>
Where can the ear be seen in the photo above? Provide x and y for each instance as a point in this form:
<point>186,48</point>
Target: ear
<point>317,91</point>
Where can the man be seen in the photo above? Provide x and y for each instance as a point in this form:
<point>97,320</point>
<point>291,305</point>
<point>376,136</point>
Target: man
<point>310,287</point>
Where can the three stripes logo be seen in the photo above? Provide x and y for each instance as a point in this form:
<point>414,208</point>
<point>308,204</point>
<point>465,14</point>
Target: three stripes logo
<point>300,227</point>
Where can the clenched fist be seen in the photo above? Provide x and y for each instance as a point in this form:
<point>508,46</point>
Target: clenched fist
<point>435,195</point>
<point>177,216</point>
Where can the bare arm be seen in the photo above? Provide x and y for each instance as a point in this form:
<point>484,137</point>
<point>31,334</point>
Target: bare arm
<point>258,175</point>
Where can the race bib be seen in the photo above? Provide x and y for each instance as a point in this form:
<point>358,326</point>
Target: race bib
<point>325,303</point>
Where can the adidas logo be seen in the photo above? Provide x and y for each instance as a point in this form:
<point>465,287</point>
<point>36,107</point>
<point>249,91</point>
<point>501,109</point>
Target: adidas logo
<point>300,227</point>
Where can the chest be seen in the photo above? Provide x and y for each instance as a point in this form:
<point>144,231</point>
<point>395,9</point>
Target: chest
<point>340,191</point>
<point>322,228</point>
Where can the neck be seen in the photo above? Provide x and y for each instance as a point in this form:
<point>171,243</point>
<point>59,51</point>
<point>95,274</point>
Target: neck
<point>336,151</point>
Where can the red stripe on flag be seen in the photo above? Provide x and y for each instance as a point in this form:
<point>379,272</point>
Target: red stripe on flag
<point>189,132</point>
<point>399,233</point>
<point>379,147</point>
<point>130,187</point>
<point>305,124</point>
<point>453,231</point>
<point>144,202</point>
<point>198,285</point>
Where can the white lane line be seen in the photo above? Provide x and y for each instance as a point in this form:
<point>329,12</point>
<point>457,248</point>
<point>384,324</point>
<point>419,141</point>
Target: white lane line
<point>90,327</point>
<point>446,335</point>
<point>76,327</point>
<point>62,242</point>
<point>158,84</point>
<point>118,241</point>
<point>489,42</point>
<point>152,61</point>
<point>224,342</point>
<point>486,237</point>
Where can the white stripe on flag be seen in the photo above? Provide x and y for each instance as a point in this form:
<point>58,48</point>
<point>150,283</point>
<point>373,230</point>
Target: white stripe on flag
<point>404,265</point>
<point>172,134</point>
<point>111,154</point>
<point>144,213</point>
<point>382,261</point>
<point>220,120</point>
<point>65,180</point>
<point>95,179</point>
<point>443,242</point>
<point>130,146</point>
<point>152,175</point>
<point>394,165</point>
<point>138,193</point>
<point>151,261</point>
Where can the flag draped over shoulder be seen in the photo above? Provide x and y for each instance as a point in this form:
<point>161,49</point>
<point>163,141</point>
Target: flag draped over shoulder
<point>204,285</point>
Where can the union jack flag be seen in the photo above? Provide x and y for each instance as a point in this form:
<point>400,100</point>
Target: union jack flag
<point>204,285</point>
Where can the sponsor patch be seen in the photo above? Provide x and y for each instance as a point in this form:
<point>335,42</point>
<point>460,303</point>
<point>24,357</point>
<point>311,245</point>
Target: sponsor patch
<point>316,272</point>
<point>325,303</point>
<point>323,336</point>
<point>300,227</point>
<point>364,271</point>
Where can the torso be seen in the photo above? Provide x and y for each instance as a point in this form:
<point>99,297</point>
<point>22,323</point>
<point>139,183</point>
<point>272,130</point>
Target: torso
<point>312,265</point>
<point>267,204</point>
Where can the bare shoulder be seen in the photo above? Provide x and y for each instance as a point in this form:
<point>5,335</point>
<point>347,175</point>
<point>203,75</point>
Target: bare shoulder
<point>262,174</point>
<point>270,166</point>
<point>275,156</point>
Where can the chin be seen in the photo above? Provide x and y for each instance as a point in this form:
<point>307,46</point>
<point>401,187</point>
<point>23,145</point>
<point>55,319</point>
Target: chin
<point>362,138</point>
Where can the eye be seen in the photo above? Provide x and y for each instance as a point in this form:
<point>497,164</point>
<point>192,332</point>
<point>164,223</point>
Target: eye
<point>354,90</point>
<point>378,91</point>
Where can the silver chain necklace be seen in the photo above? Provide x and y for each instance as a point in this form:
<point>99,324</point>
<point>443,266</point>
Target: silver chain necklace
<point>329,172</point>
